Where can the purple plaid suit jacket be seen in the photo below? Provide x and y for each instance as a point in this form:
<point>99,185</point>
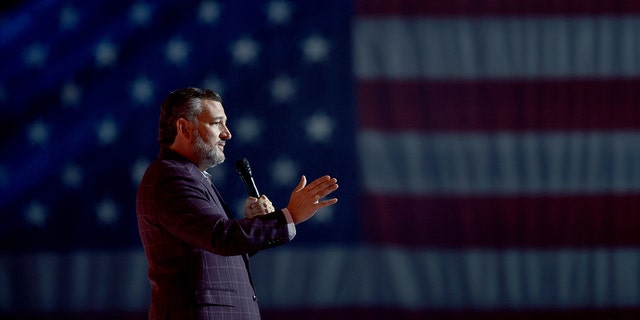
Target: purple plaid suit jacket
<point>198,255</point>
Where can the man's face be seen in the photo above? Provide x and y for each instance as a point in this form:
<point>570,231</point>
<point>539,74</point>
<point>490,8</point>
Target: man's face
<point>211,134</point>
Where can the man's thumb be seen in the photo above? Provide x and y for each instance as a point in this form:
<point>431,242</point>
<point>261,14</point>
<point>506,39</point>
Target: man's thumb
<point>302,183</point>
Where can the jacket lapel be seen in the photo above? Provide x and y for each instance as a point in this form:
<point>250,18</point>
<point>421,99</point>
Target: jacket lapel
<point>220,201</point>
<point>245,257</point>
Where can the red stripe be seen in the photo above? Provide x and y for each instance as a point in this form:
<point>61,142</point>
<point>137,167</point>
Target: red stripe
<point>499,105</point>
<point>380,313</point>
<point>503,222</point>
<point>493,7</point>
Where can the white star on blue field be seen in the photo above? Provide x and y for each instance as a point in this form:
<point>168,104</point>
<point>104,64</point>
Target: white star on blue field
<point>81,96</point>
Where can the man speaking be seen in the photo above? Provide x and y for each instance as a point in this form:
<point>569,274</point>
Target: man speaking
<point>198,254</point>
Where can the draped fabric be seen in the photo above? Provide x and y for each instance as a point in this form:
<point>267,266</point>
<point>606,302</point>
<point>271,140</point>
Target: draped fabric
<point>488,152</point>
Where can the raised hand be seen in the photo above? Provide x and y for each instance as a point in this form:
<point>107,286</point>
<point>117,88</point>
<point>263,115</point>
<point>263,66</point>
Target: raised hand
<point>305,199</point>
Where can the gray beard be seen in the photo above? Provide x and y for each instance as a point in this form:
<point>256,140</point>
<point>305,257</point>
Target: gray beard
<point>207,154</point>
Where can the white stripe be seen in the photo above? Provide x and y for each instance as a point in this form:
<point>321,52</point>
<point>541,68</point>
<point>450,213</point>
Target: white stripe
<point>394,48</point>
<point>477,279</point>
<point>344,276</point>
<point>500,163</point>
<point>78,281</point>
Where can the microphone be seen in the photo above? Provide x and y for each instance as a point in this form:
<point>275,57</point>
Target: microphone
<point>244,170</point>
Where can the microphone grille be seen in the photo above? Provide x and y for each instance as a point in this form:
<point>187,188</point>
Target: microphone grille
<point>243,165</point>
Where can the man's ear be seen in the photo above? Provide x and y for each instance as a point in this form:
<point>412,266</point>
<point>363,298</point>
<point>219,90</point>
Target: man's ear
<point>183,127</point>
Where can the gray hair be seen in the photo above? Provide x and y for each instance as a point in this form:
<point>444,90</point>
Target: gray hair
<point>181,103</point>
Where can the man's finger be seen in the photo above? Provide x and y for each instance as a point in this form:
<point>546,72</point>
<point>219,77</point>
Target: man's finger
<point>301,184</point>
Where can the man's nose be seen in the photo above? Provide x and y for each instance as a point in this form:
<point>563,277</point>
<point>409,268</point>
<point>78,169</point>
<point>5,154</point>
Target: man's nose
<point>225,134</point>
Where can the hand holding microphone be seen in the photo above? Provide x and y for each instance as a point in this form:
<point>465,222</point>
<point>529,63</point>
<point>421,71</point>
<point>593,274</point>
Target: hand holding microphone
<point>255,204</point>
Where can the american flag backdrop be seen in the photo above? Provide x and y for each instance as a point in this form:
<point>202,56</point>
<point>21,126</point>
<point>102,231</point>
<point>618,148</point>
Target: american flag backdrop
<point>488,151</point>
